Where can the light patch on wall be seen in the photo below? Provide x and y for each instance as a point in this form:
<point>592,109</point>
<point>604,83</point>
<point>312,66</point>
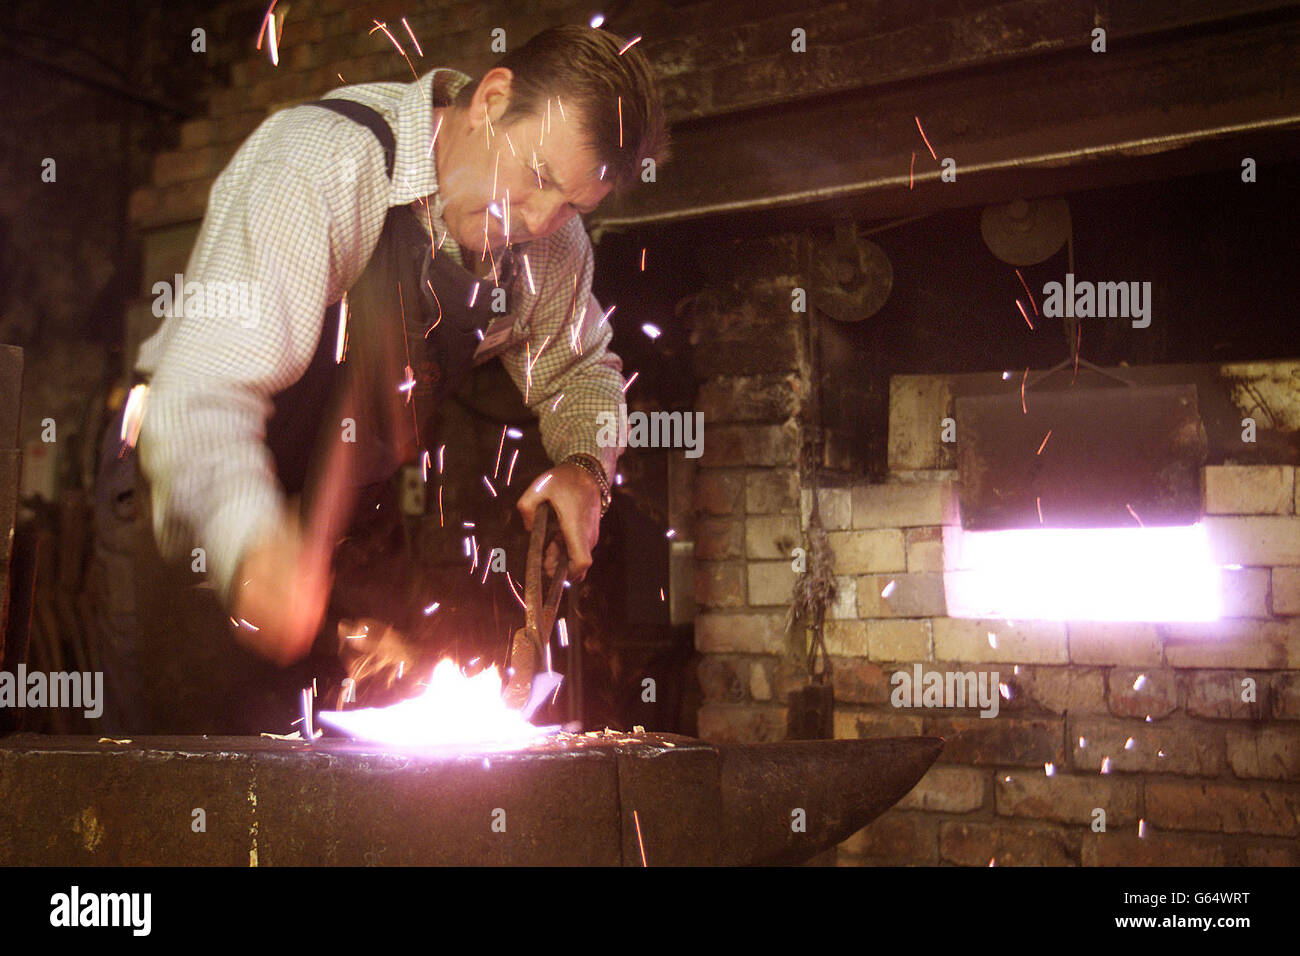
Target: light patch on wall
<point>1084,574</point>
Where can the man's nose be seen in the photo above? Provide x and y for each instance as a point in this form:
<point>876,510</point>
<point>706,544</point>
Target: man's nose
<point>545,213</point>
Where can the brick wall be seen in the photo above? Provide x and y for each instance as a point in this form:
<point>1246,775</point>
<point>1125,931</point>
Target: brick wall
<point>1212,779</point>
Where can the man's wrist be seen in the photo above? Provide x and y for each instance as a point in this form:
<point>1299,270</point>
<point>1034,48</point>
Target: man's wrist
<point>596,470</point>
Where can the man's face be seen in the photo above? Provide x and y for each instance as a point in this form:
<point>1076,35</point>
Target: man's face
<point>530,177</point>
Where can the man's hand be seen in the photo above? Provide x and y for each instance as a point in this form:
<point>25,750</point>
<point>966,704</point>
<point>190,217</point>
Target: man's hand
<point>281,590</point>
<point>575,496</point>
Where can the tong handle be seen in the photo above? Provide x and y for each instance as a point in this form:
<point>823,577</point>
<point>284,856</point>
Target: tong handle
<point>539,615</point>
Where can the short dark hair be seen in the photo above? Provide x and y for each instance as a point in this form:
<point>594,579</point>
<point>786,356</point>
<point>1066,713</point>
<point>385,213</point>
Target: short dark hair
<point>583,67</point>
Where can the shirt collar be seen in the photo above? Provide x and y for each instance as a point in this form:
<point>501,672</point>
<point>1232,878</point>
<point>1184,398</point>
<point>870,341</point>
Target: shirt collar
<point>415,173</point>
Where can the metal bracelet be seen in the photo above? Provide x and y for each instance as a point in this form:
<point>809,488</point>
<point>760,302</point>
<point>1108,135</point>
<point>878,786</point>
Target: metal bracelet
<point>594,468</point>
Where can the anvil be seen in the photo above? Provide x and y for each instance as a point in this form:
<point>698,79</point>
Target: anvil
<point>607,799</point>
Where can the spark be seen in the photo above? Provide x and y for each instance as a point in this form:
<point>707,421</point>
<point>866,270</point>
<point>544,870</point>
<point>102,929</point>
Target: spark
<point>435,136</point>
<point>1142,829</point>
<point>465,541</point>
<point>662,596</point>
<point>1005,691</point>
<point>1083,743</point>
<point>1038,501</point>
<point>514,433</point>
<point>468,524</point>
<point>1044,444</point>
<point>628,383</point>
<point>993,640</point>
<point>1105,765</point>
<point>431,608</point>
<point>500,446</point>
<point>411,34</point>
<point>1021,307</point>
<point>384,27</point>
<point>911,172</point>
<point>889,589</point>
<point>529,270</point>
<point>441,449</point>
<point>1140,682</point>
<point>671,532</point>
<point>424,466</point>
<point>408,383</point>
<point>597,20</point>
<point>560,103</point>
<point>273,40</point>
<point>630,43</point>
<point>542,484</point>
<point>265,17</point>
<point>489,486</point>
<point>563,629</point>
<point>1078,341</point>
<point>602,172</point>
<point>510,143</point>
<point>438,303</point>
<point>1049,769</point>
<point>511,469</point>
<point>1128,744</point>
<point>251,627</point>
<point>496,167</point>
<point>926,138</point>
<point>651,330</point>
<point>1160,753</point>
<point>636,819</point>
<point>133,414</point>
<point>643,258</point>
<point>1023,407</point>
<point>341,346</point>
<point>620,122</point>
<point>306,714</point>
<point>487,568</point>
<point>555,404</point>
<point>1027,292</point>
<point>473,294</point>
<point>441,523</point>
<point>515,591</point>
<point>1135,516</point>
<point>340,76</point>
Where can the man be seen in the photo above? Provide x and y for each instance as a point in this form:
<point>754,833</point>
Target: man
<point>464,187</point>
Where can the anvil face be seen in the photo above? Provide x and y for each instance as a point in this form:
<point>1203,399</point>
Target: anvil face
<point>576,800</point>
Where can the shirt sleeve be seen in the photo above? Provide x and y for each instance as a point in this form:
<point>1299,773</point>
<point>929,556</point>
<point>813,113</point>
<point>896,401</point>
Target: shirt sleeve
<point>564,369</point>
<point>268,242</point>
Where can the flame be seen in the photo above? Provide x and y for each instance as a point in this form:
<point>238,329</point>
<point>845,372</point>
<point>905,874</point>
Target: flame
<point>455,710</point>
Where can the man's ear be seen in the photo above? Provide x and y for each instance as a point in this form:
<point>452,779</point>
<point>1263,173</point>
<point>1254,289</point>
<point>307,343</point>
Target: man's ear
<point>492,96</point>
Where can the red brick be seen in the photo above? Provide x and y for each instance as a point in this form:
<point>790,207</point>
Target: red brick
<point>1065,798</point>
<point>1213,807</point>
<point>1059,689</point>
<point>1217,694</point>
<point>976,844</point>
<point>1156,697</point>
<point>948,790</point>
<point>719,538</point>
<point>1114,848</point>
<point>897,837</point>
<point>1193,750</point>
<point>1270,753</point>
<point>772,491</point>
<point>859,682</point>
<point>720,583</point>
<point>718,491</point>
<point>864,724</point>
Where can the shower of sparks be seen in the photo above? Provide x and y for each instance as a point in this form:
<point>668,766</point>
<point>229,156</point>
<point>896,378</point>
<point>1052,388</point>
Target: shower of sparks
<point>341,346</point>
<point>489,486</point>
<point>1140,682</point>
<point>528,270</point>
<point>620,122</point>
<point>1021,307</point>
<point>411,34</point>
<point>636,819</point>
<point>993,640</point>
<point>1024,408</point>
<point>630,43</point>
<point>1105,765</point>
<point>510,470</point>
<point>500,447</point>
<point>1038,502</point>
<point>888,589</point>
<point>384,27</point>
<point>924,137</point>
<point>628,383</point>
<point>651,330</point>
<point>1049,769</point>
<point>1044,444</point>
<point>643,258</point>
<point>1027,292</point>
<point>911,172</point>
<point>1135,516</point>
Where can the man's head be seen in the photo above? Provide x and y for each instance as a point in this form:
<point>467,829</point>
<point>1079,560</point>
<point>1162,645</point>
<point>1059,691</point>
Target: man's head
<point>546,134</point>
